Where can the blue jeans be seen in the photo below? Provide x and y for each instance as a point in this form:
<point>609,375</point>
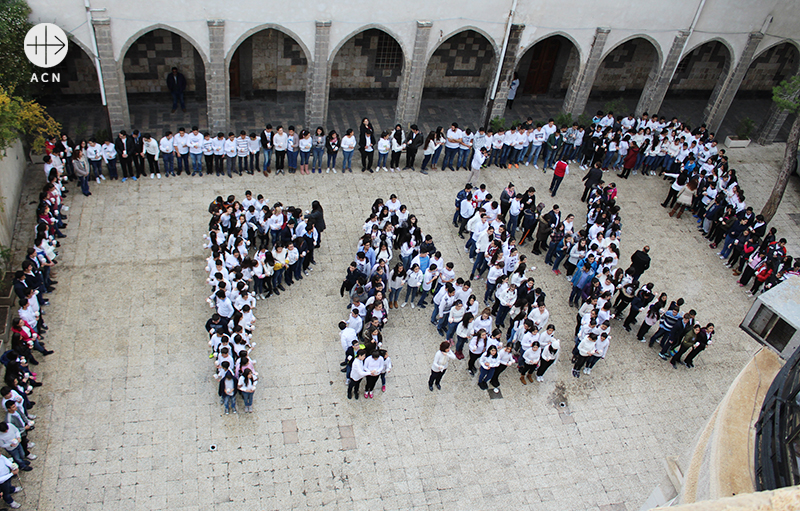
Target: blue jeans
<point>425,160</point>
<point>551,252</point>
<point>267,156</point>
<point>666,163</point>
<point>559,257</point>
<point>304,157</point>
<point>512,224</point>
<point>504,155</point>
<point>242,164</point>
<point>513,156</point>
<point>382,159</point>
<point>229,402</point>
<point>85,185</point>
<point>551,158</point>
<point>332,161</point>
<point>347,160</point>
<point>463,156</point>
<point>292,157</point>
<point>575,295</point>
<point>460,341</point>
<point>183,161</point>
<point>478,266</point>
<point>662,334</point>
<point>502,312</point>
<point>319,153</point>
<point>247,398</point>
<point>494,157</point>
<point>727,246</point>
<point>412,292</point>
<point>449,156</point>
<point>112,168</point>
<point>609,159</point>
<point>19,456</point>
<point>554,184</point>
<point>394,294</point>
<point>485,374</point>
<point>197,163</point>
<point>169,163</point>
<point>490,287</point>
<point>177,97</point>
<point>436,153</point>
<point>230,164</point>
<point>97,169</point>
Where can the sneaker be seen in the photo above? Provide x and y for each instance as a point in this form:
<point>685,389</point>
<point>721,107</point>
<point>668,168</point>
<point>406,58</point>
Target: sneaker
<point>15,505</point>
<point>31,456</point>
<point>98,180</point>
<point>642,340</point>
<point>334,171</point>
<point>152,176</point>
<point>662,356</point>
<point>383,388</point>
<point>588,370</point>
<point>31,445</point>
<point>102,177</point>
<point>403,304</point>
<point>327,171</point>
<point>134,178</point>
<point>412,305</point>
<point>526,163</point>
<point>540,378</point>
<point>124,179</point>
<point>31,417</point>
<point>536,167</point>
<point>158,175</point>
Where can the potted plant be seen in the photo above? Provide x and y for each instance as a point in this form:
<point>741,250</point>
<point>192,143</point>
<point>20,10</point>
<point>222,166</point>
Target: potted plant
<point>743,132</point>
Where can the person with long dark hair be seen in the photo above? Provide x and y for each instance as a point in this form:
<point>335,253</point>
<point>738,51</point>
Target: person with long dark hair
<point>366,144</point>
<point>317,216</point>
<point>440,362</point>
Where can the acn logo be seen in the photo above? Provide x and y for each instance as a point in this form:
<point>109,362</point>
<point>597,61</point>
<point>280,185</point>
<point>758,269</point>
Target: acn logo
<point>46,45</point>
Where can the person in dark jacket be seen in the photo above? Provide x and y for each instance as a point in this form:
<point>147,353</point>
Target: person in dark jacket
<point>593,177</point>
<point>702,340</point>
<point>176,83</point>
<point>125,151</point>
<point>138,153</point>
<point>366,144</point>
<point>640,262</point>
<point>317,215</point>
<point>413,143</point>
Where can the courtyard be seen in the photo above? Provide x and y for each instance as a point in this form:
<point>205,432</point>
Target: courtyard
<point>129,409</point>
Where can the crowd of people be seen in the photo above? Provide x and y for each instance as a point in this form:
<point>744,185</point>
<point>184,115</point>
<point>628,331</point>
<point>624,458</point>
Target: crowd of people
<point>32,282</point>
<point>256,248</point>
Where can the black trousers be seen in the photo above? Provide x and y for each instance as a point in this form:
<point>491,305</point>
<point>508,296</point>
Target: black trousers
<point>352,387</point>
<point>411,155</point>
<point>371,381</point>
<point>152,163</point>
<point>219,161</point>
<point>395,161</point>
<point>671,196</point>
<point>543,366</point>
<point>692,354</point>
<point>472,359</point>
<point>280,157</point>
<point>209,163</point>
<point>436,377</point>
<point>497,372</point>
<point>138,162</point>
<point>366,159</point>
<point>125,163</point>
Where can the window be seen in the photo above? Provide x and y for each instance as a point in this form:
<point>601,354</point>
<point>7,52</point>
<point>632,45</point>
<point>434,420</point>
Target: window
<point>388,54</point>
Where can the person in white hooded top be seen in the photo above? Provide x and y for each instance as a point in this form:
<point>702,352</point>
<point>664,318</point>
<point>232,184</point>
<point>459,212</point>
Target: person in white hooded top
<point>548,357</point>
<point>530,359</point>
<point>601,349</point>
<point>440,362</point>
<point>357,373</point>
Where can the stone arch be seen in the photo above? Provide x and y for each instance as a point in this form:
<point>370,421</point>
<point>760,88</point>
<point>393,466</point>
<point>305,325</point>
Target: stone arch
<point>628,66</point>
<point>549,64</point>
<point>770,67</point>
<point>148,73</point>
<point>364,28</point>
<point>702,68</point>
<point>462,64</point>
<point>720,40</point>
<point>77,72</point>
<point>368,64</point>
<point>445,38</point>
<point>267,60</point>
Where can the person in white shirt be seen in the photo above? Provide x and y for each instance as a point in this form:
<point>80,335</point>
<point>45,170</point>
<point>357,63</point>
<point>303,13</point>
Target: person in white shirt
<point>254,146</point>
<point>601,349</point>
<point>451,146</point>
<point>218,150</point>
<point>440,362</point>
<point>94,153</point>
<point>181,143</point>
<point>195,143</point>
<point>477,163</point>
<point>463,149</point>
<point>166,148</point>
<point>357,373</point>
<point>280,143</point>
<point>488,363</point>
<point>7,471</point>
<point>230,153</point>
<point>348,147</point>
<point>242,151</point>
<point>151,152</point>
<point>110,157</point>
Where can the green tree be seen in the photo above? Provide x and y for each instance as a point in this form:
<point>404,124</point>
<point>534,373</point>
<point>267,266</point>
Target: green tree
<point>787,97</point>
<point>16,70</point>
<point>27,120</point>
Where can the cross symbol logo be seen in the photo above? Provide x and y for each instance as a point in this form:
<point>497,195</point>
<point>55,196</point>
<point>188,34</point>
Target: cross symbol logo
<point>46,45</point>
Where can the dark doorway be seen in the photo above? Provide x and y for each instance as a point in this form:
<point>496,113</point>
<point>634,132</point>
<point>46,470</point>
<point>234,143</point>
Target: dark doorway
<point>236,90</point>
<point>543,62</point>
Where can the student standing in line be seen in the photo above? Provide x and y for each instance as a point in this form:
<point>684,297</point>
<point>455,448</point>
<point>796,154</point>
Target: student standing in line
<point>366,143</point>
<point>549,357</point>
<point>601,349</point>
<point>247,387</point>
<point>167,149</point>
<point>476,348</point>
<point>304,145</point>
<point>348,147</point>
<point>397,279</point>
<point>397,148</point>
<point>318,148</point>
<point>357,373</point>
<point>292,149</point>
<point>266,147</point>
<point>373,366</point>
<point>384,146</point>
<point>387,368</point>
<point>332,144</point>
<point>440,362</point>
<point>505,358</point>
<point>230,154</point>
<point>280,143</point>
<point>488,363</point>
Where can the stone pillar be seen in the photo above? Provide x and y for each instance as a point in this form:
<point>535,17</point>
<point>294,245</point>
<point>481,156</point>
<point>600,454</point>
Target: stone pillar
<point>318,89</point>
<point>772,125</point>
<point>581,86</point>
<point>217,80</point>
<point>410,96</point>
<point>497,107</point>
<point>656,87</point>
<point>113,79</point>
<point>726,88</point>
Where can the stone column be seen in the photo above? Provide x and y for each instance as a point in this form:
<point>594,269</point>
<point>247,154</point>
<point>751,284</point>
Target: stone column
<point>581,86</point>
<point>726,88</point>
<point>217,80</point>
<point>410,95</point>
<point>318,89</point>
<point>772,125</point>
<point>113,79</point>
<point>497,107</point>
<point>656,87</point>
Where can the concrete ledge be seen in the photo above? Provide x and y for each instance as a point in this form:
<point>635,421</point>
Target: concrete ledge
<point>785,499</point>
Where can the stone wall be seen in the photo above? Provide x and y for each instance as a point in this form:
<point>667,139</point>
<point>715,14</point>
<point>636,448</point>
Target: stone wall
<point>771,68</point>
<point>371,60</point>
<point>12,173</point>
<point>150,59</point>
<point>279,63</point>
<point>78,74</point>
<point>464,61</point>
<point>626,68</point>
<point>571,66</point>
<point>700,70</point>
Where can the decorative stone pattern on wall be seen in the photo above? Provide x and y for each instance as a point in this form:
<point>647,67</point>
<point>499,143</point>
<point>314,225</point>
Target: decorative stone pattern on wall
<point>279,63</point>
<point>700,69</point>
<point>465,60</point>
<point>771,68</point>
<point>78,74</point>
<point>571,68</point>
<point>626,67</point>
<point>152,56</point>
<point>356,64</point>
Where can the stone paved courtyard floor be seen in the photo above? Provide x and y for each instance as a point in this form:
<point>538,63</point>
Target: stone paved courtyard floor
<point>129,407</point>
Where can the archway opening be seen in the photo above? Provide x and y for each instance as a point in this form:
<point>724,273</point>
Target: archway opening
<point>368,68</point>
<point>456,78</point>
<point>146,66</point>
<point>268,75</point>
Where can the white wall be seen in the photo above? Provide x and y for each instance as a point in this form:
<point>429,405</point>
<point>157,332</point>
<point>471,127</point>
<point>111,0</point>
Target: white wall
<point>12,172</point>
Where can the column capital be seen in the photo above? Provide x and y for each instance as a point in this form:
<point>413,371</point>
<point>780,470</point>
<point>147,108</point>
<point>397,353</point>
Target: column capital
<point>517,26</point>
<point>216,23</point>
<point>101,21</point>
<point>603,30</point>
<point>325,23</point>
<point>424,24</point>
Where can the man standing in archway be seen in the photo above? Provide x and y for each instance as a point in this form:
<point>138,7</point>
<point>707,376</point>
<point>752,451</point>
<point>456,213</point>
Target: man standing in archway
<point>176,83</point>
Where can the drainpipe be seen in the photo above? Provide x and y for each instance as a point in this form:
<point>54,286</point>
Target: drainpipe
<point>89,12</point>
<point>686,42</point>
<point>503,51</point>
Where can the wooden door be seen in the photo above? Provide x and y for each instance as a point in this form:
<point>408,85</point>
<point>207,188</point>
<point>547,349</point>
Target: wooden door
<point>236,90</point>
<point>543,62</point>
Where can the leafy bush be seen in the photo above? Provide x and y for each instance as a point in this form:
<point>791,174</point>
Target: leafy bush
<point>745,129</point>
<point>617,106</point>
<point>563,119</point>
<point>16,69</point>
<point>497,124</point>
<point>27,120</point>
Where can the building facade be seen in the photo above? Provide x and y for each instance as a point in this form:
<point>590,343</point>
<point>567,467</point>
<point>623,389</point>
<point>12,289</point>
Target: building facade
<point>318,51</point>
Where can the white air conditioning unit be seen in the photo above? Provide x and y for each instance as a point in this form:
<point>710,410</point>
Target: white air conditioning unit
<point>774,318</point>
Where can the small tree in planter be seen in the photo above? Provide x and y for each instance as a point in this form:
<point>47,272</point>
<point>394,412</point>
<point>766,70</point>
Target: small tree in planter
<point>787,97</point>
<point>743,132</point>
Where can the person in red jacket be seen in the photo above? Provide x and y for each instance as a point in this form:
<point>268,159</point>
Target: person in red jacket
<point>559,171</point>
<point>630,160</point>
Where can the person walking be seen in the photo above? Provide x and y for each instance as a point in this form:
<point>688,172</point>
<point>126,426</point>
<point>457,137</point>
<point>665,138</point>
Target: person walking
<point>548,357</point>
<point>702,340</point>
<point>440,362</point>
<point>176,83</point>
